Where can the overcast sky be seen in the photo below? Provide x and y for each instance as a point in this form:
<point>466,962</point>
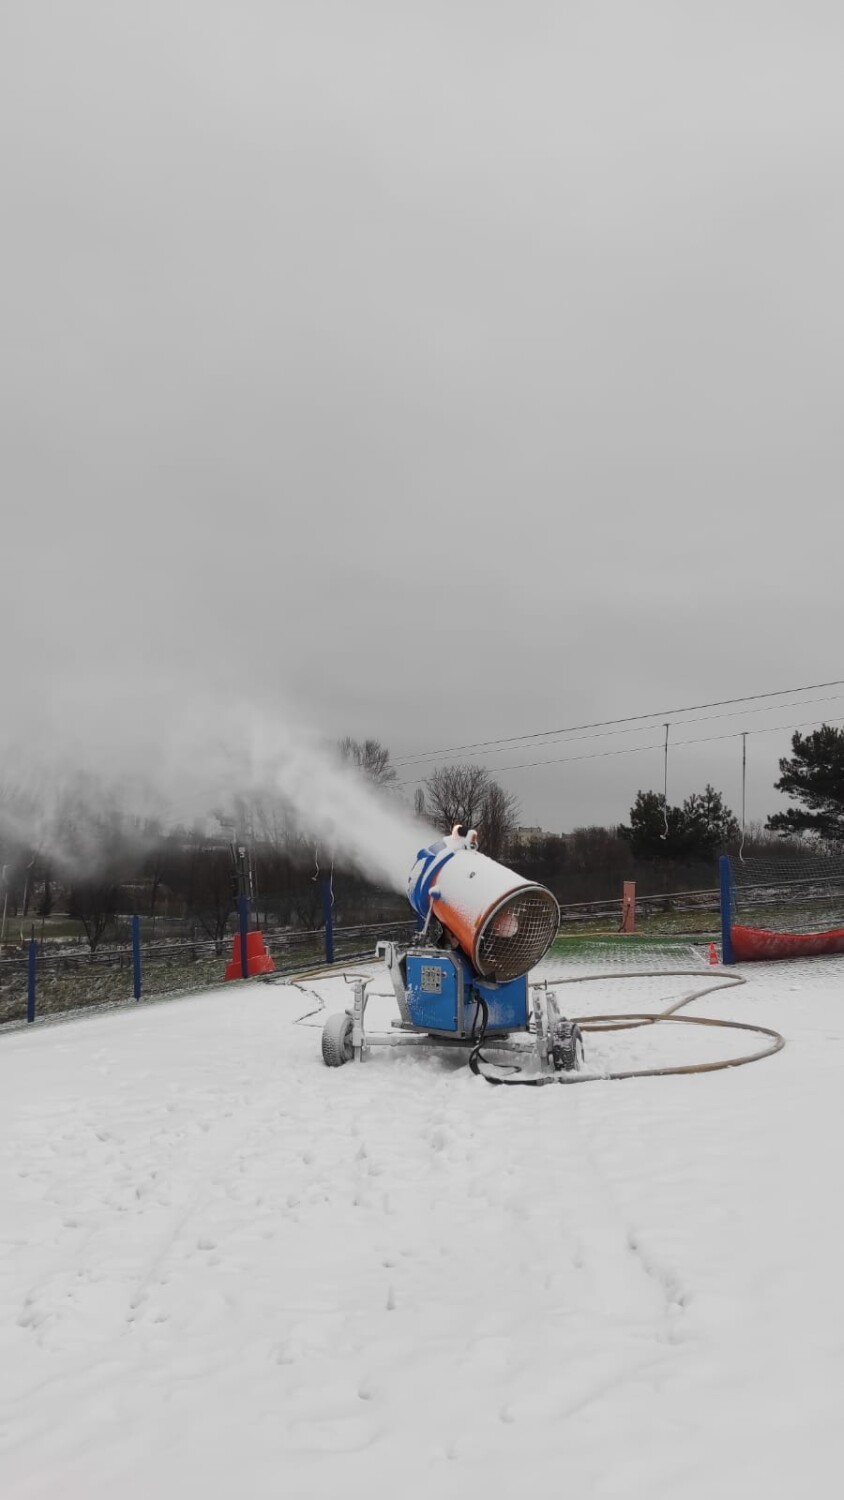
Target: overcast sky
<point>438,371</point>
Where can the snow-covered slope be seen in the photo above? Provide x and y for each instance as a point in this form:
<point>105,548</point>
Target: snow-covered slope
<point>228,1271</point>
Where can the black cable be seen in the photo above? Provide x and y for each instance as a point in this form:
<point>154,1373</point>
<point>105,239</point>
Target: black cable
<point>602,734</point>
<point>526,1083</point>
<point>476,1056</point>
<point>707,739</point>
<point>514,739</point>
<point>481,1009</point>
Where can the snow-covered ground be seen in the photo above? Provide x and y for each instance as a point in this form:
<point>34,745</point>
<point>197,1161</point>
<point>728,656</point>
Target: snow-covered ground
<point>228,1271</point>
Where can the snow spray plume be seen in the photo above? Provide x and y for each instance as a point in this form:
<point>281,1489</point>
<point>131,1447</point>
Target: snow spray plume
<point>70,822</point>
<point>115,764</point>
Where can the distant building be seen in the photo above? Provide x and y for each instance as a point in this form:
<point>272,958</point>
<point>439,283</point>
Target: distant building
<point>528,835</point>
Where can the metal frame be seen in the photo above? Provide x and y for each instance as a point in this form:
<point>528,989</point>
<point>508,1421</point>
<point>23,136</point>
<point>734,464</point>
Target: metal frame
<point>543,1006</point>
<point>396,970</point>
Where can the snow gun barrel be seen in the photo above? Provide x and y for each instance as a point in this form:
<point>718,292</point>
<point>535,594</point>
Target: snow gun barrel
<point>502,922</point>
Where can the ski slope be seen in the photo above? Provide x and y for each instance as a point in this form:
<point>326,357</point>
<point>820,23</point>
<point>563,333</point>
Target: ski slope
<point>229,1271</point>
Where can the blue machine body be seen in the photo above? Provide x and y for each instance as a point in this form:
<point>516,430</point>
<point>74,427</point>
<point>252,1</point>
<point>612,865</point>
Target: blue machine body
<point>429,862</point>
<point>442,992</point>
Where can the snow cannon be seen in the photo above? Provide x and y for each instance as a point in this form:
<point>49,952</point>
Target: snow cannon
<point>503,923</point>
<point>464,978</point>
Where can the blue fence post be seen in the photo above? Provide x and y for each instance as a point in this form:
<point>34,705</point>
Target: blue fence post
<point>30,980</point>
<point>329,921</point>
<point>243,915</point>
<point>726,911</point>
<point>136,957</point>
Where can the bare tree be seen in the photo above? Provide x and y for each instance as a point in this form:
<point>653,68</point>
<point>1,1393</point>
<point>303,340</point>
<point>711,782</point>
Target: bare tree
<point>455,794</point>
<point>45,906</point>
<point>498,820</point>
<point>467,794</point>
<point>19,852</point>
<point>200,875</point>
<point>541,857</point>
<point>370,757</point>
<point>96,851</point>
<point>306,900</point>
<point>93,902</point>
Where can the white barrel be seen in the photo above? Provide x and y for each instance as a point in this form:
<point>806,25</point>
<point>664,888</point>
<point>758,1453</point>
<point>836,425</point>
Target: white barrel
<point>503,923</point>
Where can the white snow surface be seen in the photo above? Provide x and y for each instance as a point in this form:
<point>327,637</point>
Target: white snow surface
<point>228,1271</point>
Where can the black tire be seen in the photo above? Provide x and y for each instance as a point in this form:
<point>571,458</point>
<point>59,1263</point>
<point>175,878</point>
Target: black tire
<point>566,1044</point>
<point>337,1040</point>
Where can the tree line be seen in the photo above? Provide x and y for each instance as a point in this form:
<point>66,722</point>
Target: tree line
<point>103,864</point>
<point>668,848</point>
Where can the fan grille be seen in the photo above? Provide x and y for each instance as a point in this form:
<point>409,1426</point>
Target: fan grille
<point>517,934</point>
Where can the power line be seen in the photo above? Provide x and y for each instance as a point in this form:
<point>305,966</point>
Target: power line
<point>737,713</point>
<point>514,739</point>
<point>657,745</point>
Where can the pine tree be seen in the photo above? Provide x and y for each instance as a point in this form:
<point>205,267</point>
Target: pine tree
<point>699,828</point>
<point>813,776</point>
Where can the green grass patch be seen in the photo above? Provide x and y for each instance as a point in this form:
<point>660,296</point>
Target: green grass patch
<point>615,945</point>
<point>623,940</point>
<point>660,923</point>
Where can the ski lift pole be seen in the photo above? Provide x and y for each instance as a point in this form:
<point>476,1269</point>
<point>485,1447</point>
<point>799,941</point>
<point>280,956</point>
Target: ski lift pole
<point>136,957</point>
<point>726,881</point>
<point>242,890</point>
<point>243,917</point>
<point>327,902</point>
<point>32,960</point>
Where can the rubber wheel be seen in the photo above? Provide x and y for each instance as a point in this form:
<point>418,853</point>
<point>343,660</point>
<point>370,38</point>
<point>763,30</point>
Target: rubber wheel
<point>337,1040</point>
<point>565,1047</point>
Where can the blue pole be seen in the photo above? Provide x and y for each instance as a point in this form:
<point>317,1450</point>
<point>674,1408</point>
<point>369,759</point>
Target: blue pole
<point>243,915</point>
<point>136,957</point>
<point>30,981</point>
<point>726,911</point>
<point>329,921</point>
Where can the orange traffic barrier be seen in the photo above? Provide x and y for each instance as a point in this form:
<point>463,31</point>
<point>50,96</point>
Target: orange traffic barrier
<point>258,960</point>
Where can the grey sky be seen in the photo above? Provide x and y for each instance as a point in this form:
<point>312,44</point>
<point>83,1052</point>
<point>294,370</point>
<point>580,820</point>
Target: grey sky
<point>443,371</point>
